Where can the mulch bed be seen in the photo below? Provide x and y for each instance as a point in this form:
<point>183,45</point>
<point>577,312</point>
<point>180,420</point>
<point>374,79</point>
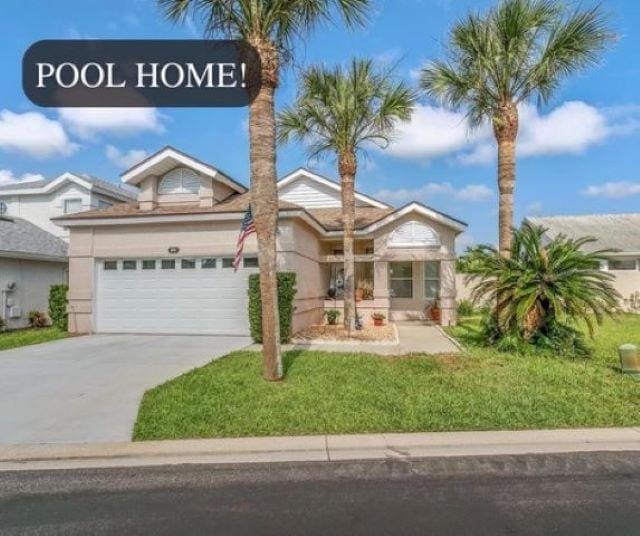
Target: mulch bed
<point>327,334</point>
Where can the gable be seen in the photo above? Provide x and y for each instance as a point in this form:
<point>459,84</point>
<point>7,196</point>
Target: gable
<point>414,234</point>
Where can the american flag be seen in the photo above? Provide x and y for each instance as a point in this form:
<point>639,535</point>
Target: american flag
<point>248,226</point>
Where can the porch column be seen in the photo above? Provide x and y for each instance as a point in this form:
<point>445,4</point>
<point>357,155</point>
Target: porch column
<point>381,286</point>
<point>448,292</point>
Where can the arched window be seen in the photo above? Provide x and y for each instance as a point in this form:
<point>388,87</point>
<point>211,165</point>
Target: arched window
<point>414,234</point>
<point>179,181</point>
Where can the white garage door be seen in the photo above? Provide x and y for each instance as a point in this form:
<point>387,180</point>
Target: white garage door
<point>182,296</point>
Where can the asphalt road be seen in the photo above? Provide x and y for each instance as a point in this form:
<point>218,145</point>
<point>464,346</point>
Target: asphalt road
<point>594,493</point>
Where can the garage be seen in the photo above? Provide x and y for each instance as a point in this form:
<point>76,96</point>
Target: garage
<point>173,295</point>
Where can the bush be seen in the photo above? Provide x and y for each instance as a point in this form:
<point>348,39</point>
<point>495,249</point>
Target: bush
<point>58,306</point>
<point>37,319</point>
<point>1,323</point>
<point>286,293</point>
<point>466,308</point>
<point>332,316</point>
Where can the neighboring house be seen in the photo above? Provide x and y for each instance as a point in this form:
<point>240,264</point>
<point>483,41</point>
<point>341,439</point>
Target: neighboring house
<point>617,232</point>
<point>33,250</point>
<point>163,264</point>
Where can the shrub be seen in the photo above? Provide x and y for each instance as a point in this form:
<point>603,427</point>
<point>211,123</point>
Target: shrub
<point>38,319</point>
<point>286,294</point>
<point>58,306</point>
<point>1,323</point>
<point>378,316</point>
<point>466,308</point>
<point>332,316</point>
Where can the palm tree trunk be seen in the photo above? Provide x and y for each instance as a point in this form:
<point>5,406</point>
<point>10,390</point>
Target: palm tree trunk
<point>347,170</point>
<point>264,203</point>
<point>505,127</point>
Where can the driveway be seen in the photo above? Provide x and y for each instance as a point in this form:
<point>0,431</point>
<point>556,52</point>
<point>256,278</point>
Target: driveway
<point>89,388</point>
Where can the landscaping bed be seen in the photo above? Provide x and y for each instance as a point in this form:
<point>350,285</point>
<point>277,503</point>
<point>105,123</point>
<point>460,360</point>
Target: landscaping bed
<point>359,393</point>
<point>322,334</point>
<point>25,337</point>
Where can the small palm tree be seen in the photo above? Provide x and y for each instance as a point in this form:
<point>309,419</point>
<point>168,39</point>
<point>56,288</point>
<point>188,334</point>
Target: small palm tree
<point>518,51</point>
<point>340,111</point>
<point>270,27</point>
<point>542,286</point>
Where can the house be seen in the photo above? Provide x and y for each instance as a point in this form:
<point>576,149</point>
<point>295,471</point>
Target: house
<point>33,250</point>
<point>619,233</point>
<point>163,264</point>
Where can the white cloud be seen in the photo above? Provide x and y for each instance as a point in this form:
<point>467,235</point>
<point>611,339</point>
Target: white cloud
<point>89,122</point>
<point>571,128</point>
<point>7,177</point>
<point>470,192</point>
<point>613,190</point>
<point>34,134</point>
<point>125,159</point>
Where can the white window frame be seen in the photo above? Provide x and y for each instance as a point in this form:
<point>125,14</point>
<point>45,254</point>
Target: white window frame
<point>72,200</point>
<point>180,180</point>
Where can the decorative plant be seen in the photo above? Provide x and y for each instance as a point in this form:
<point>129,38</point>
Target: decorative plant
<point>38,319</point>
<point>378,316</point>
<point>367,289</point>
<point>58,306</point>
<point>466,308</point>
<point>286,294</point>
<point>332,316</point>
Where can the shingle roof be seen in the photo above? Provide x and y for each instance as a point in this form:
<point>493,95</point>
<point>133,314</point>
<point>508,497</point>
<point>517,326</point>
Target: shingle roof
<point>119,189</point>
<point>20,237</point>
<point>619,232</point>
<point>25,185</point>
<point>331,218</point>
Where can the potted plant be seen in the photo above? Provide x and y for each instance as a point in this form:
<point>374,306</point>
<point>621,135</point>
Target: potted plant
<point>435,313</point>
<point>378,319</point>
<point>332,316</point>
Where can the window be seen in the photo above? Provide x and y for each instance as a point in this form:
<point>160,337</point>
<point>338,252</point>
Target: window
<point>103,204</point>
<point>129,265</point>
<point>250,262</point>
<point>72,205</point>
<point>414,234</point>
<point>110,265</point>
<point>432,280</point>
<point>208,264</point>
<point>168,264</point>
<point>227,262</point>
<point>401,279</point>
<point>148,264</point>
<point>188,264</point>
<point>622,264</point>
<point>179,181</point>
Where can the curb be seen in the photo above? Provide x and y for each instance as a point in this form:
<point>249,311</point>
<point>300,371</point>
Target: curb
<point>327,448</point>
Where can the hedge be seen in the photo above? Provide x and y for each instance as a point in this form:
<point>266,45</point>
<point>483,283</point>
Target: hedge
<point>286,293</point>
<point>58,306</point>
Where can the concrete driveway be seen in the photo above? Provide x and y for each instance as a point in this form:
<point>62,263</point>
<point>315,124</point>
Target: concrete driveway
<point>88,388</point>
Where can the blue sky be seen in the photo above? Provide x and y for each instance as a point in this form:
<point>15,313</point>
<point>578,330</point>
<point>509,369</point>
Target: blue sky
<point>577,155</point>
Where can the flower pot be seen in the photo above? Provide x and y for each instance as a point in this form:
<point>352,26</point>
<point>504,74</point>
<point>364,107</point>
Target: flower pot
<point>378,322</point>
<point>435,314</point>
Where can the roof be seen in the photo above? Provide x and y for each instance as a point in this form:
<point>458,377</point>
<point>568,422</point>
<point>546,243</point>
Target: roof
<point>619,232</point>
<point>22,239</point>
<point>121,191</point>
<point>331,218</point>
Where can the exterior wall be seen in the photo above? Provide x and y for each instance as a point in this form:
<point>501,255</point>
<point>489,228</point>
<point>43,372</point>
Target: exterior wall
<point>33,279</point>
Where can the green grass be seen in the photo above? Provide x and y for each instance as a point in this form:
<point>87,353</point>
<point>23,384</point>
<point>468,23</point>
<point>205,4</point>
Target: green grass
<point>339,393</point>
<point>25,337</point>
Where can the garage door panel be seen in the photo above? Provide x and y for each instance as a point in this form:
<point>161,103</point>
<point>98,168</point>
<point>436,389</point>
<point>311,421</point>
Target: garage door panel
<point>207,301</point>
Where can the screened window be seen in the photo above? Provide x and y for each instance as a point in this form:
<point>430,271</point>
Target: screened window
<point>188,264</point>
<point>622,264</point>
<point>129,265</point>
<point>179,181</point>
<point>168,264</point>
<point>227,262</point>
<point>401,279</point>
<point>148,264</point>
<point>250,262</point>
<point>72,205</point>
<point>110,265</point>
<point>208,264</point>
<point>432,279</point>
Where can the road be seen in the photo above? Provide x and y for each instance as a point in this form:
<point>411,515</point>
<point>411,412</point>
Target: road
<point>589,493</point>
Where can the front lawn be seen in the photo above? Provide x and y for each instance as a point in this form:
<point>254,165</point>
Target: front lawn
<point>342,393</point>
<point>24,337</point>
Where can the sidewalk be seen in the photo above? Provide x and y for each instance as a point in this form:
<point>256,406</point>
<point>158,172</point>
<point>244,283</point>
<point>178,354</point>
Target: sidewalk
<point>327,448</point>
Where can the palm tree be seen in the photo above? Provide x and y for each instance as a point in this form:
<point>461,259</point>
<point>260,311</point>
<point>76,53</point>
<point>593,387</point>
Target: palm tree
<point>340,111</point>
<point>541,286</point>
<point>518,51</point>
<point>270,27</point>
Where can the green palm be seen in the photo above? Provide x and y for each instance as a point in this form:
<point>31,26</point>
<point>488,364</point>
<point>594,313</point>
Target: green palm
<point>340,111</point>
<point>518,51</point>
<point>271,27</point>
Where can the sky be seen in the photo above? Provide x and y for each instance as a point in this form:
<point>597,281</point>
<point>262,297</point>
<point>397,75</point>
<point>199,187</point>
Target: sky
<point>576,155</point>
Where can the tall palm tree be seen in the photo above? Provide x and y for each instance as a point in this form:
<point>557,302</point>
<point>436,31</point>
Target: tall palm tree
<point>270,27</point>
<point>340,111</point>
<point>518,51</point>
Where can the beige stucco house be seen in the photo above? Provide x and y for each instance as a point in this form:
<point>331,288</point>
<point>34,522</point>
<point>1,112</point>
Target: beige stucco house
<point>163,264</point>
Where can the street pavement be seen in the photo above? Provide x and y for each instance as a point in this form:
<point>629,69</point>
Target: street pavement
<point>580,493</point>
